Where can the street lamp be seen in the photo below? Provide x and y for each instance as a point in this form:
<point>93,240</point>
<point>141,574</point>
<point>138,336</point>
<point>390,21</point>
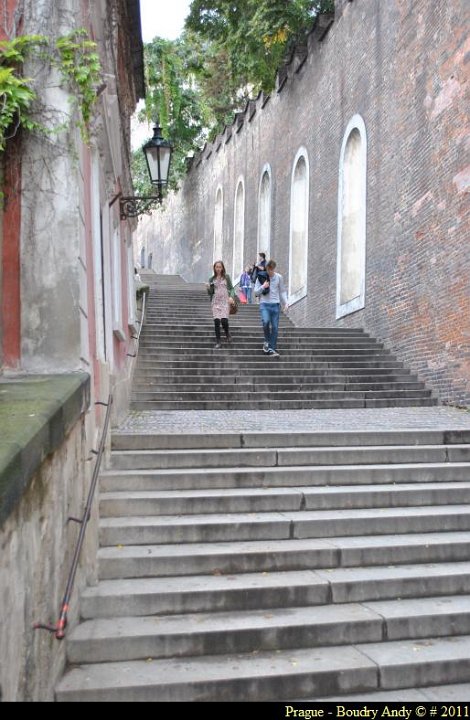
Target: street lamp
<point>157,153</point>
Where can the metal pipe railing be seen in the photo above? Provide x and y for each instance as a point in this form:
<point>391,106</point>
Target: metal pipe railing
<point>59,628</point>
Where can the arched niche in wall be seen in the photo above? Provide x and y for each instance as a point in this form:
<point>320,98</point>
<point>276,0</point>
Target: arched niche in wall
<point>351,243</point>
<point>264,212</point>
<point>298,234</point>
<point>218,224</point>
<point>238,230</point>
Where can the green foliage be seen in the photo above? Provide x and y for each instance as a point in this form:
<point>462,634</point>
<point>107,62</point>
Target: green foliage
<point>227,54</point>
<point>16,98</point>
<point>174,98</point>
<point>254,34</point>
<point>80,66</point>
<point>75,57</point>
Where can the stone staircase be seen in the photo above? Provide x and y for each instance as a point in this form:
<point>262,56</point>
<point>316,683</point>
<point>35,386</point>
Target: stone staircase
<point>308,565</point>
<point>289,565</point>
<point>179,369</point>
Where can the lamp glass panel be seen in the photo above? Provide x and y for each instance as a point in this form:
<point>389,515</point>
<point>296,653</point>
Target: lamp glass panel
<point>152,160</point>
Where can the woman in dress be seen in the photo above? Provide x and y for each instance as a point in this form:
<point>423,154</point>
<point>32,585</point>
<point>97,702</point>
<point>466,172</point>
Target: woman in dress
<point>221,291</point>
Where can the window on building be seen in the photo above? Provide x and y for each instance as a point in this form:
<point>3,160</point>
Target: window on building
<point>264,212</point>
<point>238,231</point>
<point>117,285</point>
<point>218,224</point>
<point>131,298</point>
<point>351,252</point>
<point>298,245</point>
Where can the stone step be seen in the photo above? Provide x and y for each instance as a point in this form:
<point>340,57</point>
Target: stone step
<point>257,500</point>
<point>228,362</point>
<point>274,675</point>
<point>244,342</point>
<point>138,638</point>
<point>225,527</point>
<point>435,693</point>
<point>336,438</point>
<point>210,593</point>
<point>271,457</point>
<point>274,404</point>
<point>239,395</point>
<point>132,561</point>
<point>220,373</point>
<point>250,332</point>
<point>184,479</point>
<point>301,353</point>
<point>242,386</point>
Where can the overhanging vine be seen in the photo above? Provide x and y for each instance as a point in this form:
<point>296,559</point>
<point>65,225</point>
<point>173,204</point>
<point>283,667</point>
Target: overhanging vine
<point>75,57</point>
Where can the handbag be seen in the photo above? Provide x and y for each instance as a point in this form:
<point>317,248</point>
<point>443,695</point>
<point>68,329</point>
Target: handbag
<point>233,307</point>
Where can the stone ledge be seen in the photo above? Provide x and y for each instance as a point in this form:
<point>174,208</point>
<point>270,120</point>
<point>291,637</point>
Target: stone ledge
<point>36,414</point>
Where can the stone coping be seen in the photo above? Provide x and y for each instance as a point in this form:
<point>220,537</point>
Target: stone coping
<point>36,414</point>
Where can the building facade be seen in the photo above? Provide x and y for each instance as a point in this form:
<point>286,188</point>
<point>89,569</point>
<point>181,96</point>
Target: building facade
<point>67,319</point>
<point>354,175</point>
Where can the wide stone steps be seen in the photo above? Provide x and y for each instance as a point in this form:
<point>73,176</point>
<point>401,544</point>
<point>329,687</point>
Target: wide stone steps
<point>162,331</point>
<point>221,375</point>
<point>210,593</point>
<point>141,385</point>
<point>228,363</point>
<point>178,335</point>
<point>251,340</point>
<point>290,456</point>
<point>274,566</point>
<point>227,558</point>
<point>274,675</point>
<point>180,502</point>
<point>297,404</point>
<point>268,566</point>
<point>320,475</point>
<point>138,638</point>
<point>239,395</point>
<point>147,530</point>
<point>295,439</point>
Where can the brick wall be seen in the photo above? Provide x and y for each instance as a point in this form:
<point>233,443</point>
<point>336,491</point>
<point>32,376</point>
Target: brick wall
<point>403,66</point>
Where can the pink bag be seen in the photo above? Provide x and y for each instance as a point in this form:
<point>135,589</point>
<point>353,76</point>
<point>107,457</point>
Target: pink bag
<point>242,297</point>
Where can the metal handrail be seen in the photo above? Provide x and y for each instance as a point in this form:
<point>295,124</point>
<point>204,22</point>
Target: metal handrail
<point>59,628</point>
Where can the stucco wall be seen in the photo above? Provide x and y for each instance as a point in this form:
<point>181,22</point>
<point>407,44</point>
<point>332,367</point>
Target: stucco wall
<point>403,67</point>
<point>36,547</point>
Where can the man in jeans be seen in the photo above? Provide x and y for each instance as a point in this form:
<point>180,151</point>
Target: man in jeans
<point>271,293</point>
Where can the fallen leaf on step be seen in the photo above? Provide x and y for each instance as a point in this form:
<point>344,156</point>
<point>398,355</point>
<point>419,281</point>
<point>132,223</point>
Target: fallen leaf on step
<point>149,660</point>
<point>217,571</point>
<point>268,616</point>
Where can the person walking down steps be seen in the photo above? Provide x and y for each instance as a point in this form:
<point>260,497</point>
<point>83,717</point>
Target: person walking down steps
<point>222,295</point>
<point>271,293</point>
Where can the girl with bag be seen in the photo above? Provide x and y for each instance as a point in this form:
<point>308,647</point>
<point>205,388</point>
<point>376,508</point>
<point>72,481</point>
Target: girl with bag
<point>245,284</point>
<point>222,295</point>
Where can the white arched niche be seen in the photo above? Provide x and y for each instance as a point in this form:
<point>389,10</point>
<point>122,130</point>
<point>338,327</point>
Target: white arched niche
<point>351,244</point>
<point>264,212</point>
<point>238,230</point>
<point>298,232</point>
<point>218,224</point>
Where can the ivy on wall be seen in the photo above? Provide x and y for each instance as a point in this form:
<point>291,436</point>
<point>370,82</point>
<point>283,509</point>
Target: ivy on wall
<point>75,57</point>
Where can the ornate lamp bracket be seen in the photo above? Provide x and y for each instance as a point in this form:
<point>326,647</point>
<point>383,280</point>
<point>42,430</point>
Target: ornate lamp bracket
<point>131,207</point>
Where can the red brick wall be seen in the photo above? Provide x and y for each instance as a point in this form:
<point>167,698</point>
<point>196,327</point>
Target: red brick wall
<point>10,309</point>
<point>403,65</point>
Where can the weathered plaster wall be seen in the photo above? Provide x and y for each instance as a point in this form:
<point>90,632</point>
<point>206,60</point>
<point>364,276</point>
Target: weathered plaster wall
<point>403,67</point>
<point>36,547</point>
<point>51,223</point>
